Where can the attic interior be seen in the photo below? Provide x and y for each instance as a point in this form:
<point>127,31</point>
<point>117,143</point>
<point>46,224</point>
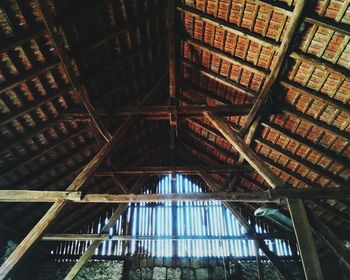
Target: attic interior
<point>192,139</point>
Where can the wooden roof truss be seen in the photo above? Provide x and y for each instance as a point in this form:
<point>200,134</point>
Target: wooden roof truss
<point>256,87</point>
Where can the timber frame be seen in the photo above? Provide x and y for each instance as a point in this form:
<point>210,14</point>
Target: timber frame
<point>253,98</point>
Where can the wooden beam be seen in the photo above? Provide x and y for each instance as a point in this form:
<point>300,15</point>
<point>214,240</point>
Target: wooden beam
<point>39,229</point>
<point>158,170</point>
<point>275,195</point>
<point>305,240</point>
<point>185,111</point>
<point>330,239</point>
<point>278,61</point>
<point>303,233</point>
<point>102,237</point>
<point>245,33</point>
<point>245,151</point>
<point>105,230</point>
<point>171,48</point>
<point>231,181</point>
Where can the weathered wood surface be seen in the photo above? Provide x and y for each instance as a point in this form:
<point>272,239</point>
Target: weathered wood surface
<point>275,195</point>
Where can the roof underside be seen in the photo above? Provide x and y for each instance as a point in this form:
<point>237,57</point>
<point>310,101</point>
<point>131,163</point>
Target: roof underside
<point>225,53</point>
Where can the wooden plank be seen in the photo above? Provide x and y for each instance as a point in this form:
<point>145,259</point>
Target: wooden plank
<point>322,126</point>
<point>27,108</point>
<point>158,170</point>
<point>231,181</point>
<point>278,61</point>
<point>307,143</point>
<point>275,195</point>
<point>105,230</point>
<point>307,250</point>
<point>321,63</point>
<point>330,239</point>
<point>87,236</point>
<point>189,111</point>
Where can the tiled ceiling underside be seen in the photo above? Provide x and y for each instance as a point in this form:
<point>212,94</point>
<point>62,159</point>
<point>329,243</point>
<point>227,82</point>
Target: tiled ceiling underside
<point>226,51</point>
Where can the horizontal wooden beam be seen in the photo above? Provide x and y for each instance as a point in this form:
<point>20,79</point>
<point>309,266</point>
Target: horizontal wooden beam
<point>164,111</point>
<point>271,195</point>
<point>171,169</point>
<point>102,237</point>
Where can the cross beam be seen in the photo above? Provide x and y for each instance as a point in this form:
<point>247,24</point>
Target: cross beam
<point>275,195</point>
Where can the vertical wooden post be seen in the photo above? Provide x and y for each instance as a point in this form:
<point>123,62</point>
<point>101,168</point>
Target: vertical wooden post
<point>307,248</point>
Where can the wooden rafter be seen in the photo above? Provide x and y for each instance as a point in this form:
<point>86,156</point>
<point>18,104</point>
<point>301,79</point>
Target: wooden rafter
<point>159,170</point>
